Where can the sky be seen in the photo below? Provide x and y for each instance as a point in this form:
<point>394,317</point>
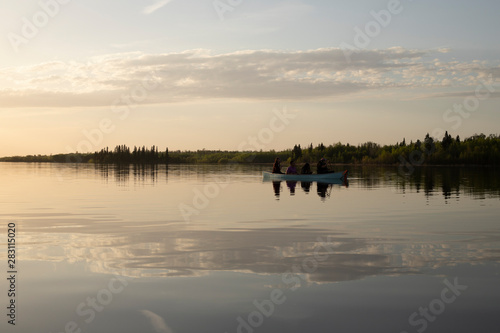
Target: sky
<point>237,74</point>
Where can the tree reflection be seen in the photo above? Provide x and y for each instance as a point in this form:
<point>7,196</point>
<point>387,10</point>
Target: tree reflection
<point>141,173</point>
<point>451,182</point>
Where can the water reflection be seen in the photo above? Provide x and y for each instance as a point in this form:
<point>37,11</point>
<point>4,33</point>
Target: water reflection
<point>291,186</point>
<point>144,231</point>
<point>306,187</point>
<point>322,189</point>
<point>140,173</point>
<point>277,189</point>
<point>160,249</point>
<point>240,245</point>
<point>451,182</point>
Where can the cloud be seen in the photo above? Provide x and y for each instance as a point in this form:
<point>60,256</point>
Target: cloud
<point>464,94</point>
<point>246,75</point>
<point>154,7</point>
<point>169,248</point>
<point>157,322</point>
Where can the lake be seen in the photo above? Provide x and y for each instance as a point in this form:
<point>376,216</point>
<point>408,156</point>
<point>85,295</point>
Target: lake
<point>214,248</point>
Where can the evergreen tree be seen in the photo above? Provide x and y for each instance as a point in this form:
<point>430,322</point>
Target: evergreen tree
<point>447,141</point>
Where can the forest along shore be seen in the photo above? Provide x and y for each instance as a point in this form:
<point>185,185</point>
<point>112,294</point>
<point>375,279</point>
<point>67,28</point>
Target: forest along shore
<point>478,149</point>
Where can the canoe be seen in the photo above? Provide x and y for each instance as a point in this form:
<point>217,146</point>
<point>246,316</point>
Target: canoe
<point>334,176</point>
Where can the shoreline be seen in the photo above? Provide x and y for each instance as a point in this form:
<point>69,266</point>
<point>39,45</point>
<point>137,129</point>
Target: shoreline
<point>263,164</point>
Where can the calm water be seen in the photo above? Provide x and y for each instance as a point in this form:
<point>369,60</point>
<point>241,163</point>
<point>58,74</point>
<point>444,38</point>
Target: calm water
<point>216,249</point>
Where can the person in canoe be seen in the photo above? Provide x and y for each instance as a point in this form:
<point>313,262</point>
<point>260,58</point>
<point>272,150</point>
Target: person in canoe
<point>292,169</point>
<point>322,167</point>
<point>306,169</point>
<point>277,166</point>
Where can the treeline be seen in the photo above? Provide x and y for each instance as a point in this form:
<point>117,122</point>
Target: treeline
<point>123,155</point>
<point>119,155</point>
<point>478,149</point>
<point>224,157</point>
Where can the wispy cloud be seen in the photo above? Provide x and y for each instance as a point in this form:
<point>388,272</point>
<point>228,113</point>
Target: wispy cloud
<point>157,322</point>
<point>246,75</point>
<point>461,94</point>
<point>154,7</point>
